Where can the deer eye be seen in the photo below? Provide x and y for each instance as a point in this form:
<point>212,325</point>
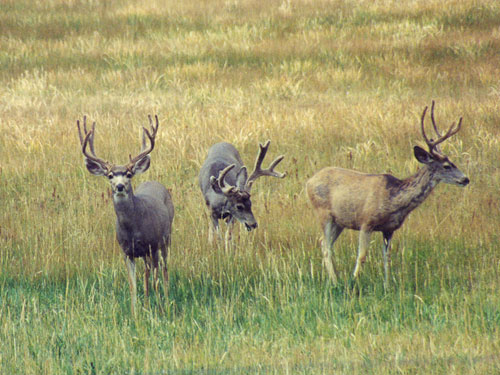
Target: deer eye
<point>447,166</point>
<point>129,175</point>
<point>110,176</point>
<point>240,207</point>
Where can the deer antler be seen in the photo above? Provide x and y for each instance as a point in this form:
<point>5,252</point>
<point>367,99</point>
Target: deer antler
<point>87,138</point>
<point>258,171</point>
<point>225,188</point>
<point>151,136</point>
<point>432,144</point>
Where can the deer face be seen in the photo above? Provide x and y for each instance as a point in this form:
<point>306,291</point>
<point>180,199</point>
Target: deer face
<point>444,170</point>
<point>120,179</point>
<point>239,206</point>
<point>237,199</point>
<point>119,176</point>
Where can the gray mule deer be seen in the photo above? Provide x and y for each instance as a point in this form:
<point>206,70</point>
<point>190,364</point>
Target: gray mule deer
<point>377,202</point>
<point>226,186</point>
<point>143,219</point>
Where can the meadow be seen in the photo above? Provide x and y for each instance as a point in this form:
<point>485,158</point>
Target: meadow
<point>329,82</point>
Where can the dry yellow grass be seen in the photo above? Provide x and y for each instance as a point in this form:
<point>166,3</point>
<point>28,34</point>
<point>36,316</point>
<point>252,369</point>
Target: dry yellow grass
<point>330,83</point>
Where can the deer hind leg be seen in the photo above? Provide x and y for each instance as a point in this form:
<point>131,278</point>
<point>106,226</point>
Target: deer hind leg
<point>164,268</point>
<point>130,263</point>
<point>331,233</point>
<point>147,272</point>
<point>155,262</point>
<point>386,251</point>
<point>364,243</point>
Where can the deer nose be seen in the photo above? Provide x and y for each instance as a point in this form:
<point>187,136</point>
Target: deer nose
<point>465,181</point>
<point>251,226</point>
<point>120,187</point>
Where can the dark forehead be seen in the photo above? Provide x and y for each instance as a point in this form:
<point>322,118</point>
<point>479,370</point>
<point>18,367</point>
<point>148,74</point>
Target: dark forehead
<point>242,197</point>
<point>443,159</point>
<point>245,202</point>
<point>119,169</point>
<point>440,157</point>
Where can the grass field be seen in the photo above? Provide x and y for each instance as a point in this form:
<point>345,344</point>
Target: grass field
<point>338,82</point>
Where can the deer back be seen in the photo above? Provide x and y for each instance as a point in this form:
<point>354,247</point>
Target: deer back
<point>220,156</point>
<point>354,199</point>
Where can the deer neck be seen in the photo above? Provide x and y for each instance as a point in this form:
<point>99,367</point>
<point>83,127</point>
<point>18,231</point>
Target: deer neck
<point>414,190</point>
<point>125,209</point>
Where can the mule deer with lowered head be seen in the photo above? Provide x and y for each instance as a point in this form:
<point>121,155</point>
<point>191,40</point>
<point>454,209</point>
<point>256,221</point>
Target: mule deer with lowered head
<point>377,202</point>
<point>226,186</point>
<point>144,218</point>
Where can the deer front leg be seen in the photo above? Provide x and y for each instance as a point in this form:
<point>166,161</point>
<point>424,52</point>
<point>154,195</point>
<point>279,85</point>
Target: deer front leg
<point>229,233</point>
<point>155,264</point>
<point>213,230</point>
<point>386,251</point>
<point>130,263</point>
<point>331,233</point>
<point>364,243</point>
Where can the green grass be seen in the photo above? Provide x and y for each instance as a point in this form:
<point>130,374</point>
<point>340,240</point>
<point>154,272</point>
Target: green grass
<point>330,83</point>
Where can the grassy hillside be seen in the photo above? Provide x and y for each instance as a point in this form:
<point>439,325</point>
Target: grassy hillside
<point>339,83</point>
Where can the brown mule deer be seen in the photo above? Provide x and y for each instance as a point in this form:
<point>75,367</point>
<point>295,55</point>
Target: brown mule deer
<point>143,219</point>
<point>226,186</point>
<point>377,202</point>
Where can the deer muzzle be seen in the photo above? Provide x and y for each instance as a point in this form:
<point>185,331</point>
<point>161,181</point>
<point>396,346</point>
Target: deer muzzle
<point>465,181</point>
<point>251,226</point>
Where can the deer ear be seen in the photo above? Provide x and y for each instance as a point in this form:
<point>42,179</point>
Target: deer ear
<point>213,181</point>
<point>141,165</point>
<point>95,168</point>
<point>422,156</point>
<point>241,178</point>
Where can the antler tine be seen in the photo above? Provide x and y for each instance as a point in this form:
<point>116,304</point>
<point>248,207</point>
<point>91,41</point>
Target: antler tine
<point>429,142</point>
<point>151,136</point>
<point>226,188</point>
<point>436,147</point>
<point>91,141</point>
<point>274,164</point>
<point>80,131</point>
<point>85,132</point>
<point>258,171</point>
<point>87,138</point>
<point>146,132</point>
<point>434,121</point>
<point>155,128</point>
<point>451,131</point>
<point>432,144</point>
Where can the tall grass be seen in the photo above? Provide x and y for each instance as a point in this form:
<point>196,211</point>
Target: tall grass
<point>330,83</point>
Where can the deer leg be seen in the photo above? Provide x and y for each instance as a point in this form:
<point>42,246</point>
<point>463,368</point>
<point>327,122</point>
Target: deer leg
<point>163,264</point>
<point>364,243</point>
<point>331,233</point>
<point>213,229</point>
<point>147,271</point>
<point>386,251</point>
<point>130,263</point>
<point>229,233</point>
<point>155,263</point>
